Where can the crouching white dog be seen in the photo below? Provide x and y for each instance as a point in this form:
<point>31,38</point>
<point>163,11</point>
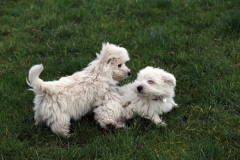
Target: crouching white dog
<point>151,95</point>
<point>72,97</point>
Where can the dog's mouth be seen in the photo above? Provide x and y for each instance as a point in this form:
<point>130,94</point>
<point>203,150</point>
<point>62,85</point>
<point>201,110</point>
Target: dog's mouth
<point>141,93</point>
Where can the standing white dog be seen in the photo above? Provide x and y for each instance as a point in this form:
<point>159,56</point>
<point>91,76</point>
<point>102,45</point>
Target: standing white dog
<point>71,97</point>
<point>149,96</point>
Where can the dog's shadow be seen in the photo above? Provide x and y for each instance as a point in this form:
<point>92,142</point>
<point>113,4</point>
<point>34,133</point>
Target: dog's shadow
<point>82,132</point>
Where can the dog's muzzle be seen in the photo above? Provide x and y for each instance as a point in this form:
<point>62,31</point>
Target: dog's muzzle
<point>129,73</point>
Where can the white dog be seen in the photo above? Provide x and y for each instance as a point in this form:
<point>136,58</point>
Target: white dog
<point>149,96</point>
<point>72,97</point>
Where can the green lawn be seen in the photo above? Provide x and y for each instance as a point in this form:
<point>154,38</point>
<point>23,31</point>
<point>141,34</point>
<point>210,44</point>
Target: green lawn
<point>196,40</point>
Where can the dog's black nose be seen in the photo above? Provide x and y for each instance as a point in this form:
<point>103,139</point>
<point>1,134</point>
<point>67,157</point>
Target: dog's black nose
<point>139,88</point>
<point>129,73</point>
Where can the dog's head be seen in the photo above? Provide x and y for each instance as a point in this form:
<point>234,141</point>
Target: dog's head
<point>114,59</point>
<point>154,83</point>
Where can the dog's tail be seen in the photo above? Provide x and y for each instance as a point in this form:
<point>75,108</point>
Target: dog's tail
<point>33,77</point>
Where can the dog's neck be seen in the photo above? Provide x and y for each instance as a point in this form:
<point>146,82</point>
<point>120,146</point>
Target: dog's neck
<point>99,68</point>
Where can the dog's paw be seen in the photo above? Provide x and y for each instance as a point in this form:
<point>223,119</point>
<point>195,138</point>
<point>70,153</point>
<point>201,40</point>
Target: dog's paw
<point>162,124</point>
<point>65,134</point>
<point>68,136</point>
<point>176,105</point>
<point>118,126</point>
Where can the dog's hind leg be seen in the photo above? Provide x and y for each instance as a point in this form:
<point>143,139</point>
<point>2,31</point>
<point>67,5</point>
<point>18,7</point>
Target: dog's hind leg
<point>37,118</point>
<point>61,126</point>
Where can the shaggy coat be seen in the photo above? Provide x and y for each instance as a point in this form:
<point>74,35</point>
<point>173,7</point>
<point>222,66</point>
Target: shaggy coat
<point>71,97</point>
<point>151,94</point>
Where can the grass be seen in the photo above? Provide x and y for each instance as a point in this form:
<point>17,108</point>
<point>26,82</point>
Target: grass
<point>196,40</point>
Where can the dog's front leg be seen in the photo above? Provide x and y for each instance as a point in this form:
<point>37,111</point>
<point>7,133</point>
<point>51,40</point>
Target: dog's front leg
<point>158,121</point>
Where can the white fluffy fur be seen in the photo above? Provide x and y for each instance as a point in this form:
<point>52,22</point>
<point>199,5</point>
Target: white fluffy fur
<point>110,116</point>
<point>150,95</point>
<point>71,97</point>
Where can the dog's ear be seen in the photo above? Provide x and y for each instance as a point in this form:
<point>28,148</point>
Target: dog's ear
<point>169,79</point>
<point>111,59</point>
<point>97,55</point>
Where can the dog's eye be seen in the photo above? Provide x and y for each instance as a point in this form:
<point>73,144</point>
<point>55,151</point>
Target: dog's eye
<point>150,82</point>
<point>120,65</point>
